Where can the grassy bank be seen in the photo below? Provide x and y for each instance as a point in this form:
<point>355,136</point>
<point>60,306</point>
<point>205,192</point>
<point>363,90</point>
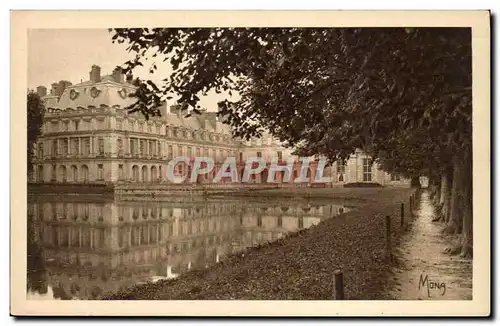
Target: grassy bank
<point>301,265</point>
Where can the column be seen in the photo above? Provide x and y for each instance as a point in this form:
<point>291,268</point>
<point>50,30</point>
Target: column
<point>129,237</point>
<point>147,148</point>
<point>79,237</point>
<point>128,149</point>
<point>70,229</point>
<point>91,239</point>
<point>69,145</point>
<point>91,149</point>
<point>79,146</point>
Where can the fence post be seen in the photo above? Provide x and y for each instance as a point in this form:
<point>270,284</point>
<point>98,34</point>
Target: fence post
<point>402,214</point>
<point>339,285</point>
<point>388,236</point>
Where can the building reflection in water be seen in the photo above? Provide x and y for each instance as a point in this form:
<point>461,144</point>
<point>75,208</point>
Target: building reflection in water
<point>83,248</point>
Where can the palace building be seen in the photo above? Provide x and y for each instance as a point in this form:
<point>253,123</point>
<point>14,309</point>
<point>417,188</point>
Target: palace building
<point>88,137</point>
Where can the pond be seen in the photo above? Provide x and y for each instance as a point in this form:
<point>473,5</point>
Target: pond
<point>80,247</point>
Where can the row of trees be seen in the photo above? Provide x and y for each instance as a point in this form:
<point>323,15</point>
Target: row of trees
<point>36,276</point>
<point>403,95</point>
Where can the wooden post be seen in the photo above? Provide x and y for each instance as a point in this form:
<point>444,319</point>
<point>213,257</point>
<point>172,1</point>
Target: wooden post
<point>402,214</point>
<point>388,235</point>
<point>339,285</point>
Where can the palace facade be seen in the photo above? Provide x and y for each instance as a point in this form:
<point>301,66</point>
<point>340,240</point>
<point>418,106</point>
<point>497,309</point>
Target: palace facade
<point>89,137</point>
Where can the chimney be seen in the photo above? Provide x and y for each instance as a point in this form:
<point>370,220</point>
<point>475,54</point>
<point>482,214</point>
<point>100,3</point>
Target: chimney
<point>42,91</point>
<point>130,78</point>
<point>95,74</point>
<point>118,76</point>
<point>56,89</point>
<point>63,84</point>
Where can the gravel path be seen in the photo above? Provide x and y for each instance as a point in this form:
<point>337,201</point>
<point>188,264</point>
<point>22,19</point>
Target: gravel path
<point>424,271</point>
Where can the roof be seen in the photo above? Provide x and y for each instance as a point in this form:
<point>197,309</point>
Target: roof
<point>106,92</point>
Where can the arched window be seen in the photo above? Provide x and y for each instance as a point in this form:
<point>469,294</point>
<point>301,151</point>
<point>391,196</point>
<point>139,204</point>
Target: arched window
<point>135,173</point>
<point>85,173</point>
<point>74,173</point>
<point>62,173</point>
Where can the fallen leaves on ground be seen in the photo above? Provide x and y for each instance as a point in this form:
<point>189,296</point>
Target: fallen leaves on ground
<point>299,266</point>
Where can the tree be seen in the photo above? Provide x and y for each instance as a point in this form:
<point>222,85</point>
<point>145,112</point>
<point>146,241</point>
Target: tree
<point>403,95</point>
<point>36,110</point>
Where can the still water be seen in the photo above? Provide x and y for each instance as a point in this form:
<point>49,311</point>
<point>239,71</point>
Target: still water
<point>83,247</point>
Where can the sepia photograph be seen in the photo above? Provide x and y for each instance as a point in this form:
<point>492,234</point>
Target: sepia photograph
<point>251,163</point>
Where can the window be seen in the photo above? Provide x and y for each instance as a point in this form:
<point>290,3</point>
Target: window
<point>53,175</point>
<point>280,221</point>
<point>189,151</point>
<point>119,125</point>
<point>241,156</point>
<point>367,169</point>
<point>301,222</point>
<point>66,126</point>
<point>133,146</point>
<point>159,149</point>
<point>75,146</point>
<point>179,150</point>
<point>395,177</point>
<point>340,167</point>
<point>205,152</point>
<point>54,127</point>
<point>143,147</point>
<point>54,148</point>
<point>170,150</point>
<point>280,155</point>
<point>40,150</point>
<point>120,171</point>
<point>119,146</point>
<point>100,171</point>
<point>76,125</point>
<point>40,173</point>
<point>259,154</point>
<point>100,124</point>
<point>65,147</point>
<point>151,150</point>
<point>101,145</point>
<point>340,171</point>
<point>86,146</point>
<point>259,221</point>
<point>198,151</point>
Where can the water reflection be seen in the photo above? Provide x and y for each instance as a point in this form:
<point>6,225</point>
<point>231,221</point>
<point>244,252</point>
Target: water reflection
<point>81,248</point>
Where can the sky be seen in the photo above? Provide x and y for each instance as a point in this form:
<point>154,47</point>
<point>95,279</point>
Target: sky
<point>68,54</point>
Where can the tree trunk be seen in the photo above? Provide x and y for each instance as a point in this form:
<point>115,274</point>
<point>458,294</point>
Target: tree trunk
<point>415,182</point>
<point>447,179</point>
<point>444,188</point>
<point>467,208</point>
<point>455,214</point>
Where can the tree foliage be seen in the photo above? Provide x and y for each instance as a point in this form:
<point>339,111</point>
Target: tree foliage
<point>400,94</point>
<point>35,116</point>
<point>403,95</point>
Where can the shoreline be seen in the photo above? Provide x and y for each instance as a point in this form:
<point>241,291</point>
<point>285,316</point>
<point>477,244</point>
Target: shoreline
<point>299,266</point>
